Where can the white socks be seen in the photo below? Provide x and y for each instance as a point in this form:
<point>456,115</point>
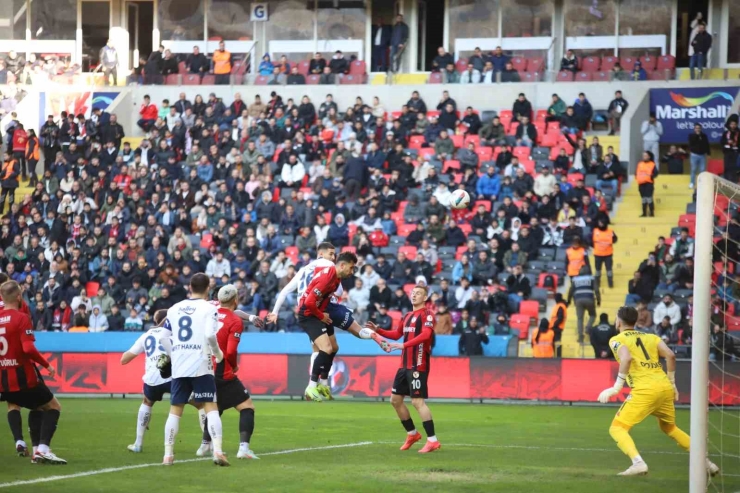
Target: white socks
<point>244,446</point>
<point>312,384</point>
<point>432,438</point>
<point>324,381</point>
<point>202,419</point>
<point>216,431</point>
<point>412,432</point>
<point>145,414</point>
<point>43,449</point>
<point>310,368</point>
<point>170,433</point>
<point>366,333</point>
<point>637,460</point>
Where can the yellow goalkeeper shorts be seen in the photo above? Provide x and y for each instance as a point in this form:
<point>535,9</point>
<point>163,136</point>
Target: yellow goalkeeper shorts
<point>637,407</point>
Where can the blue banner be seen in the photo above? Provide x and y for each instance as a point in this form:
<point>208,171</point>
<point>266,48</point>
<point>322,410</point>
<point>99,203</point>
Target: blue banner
<point>679,109</point>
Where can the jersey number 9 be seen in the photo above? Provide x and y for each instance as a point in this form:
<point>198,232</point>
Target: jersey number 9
<point>185,330</point>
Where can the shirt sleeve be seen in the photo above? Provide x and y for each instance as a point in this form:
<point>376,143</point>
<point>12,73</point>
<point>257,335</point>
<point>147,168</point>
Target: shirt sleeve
<point>232,345</point>
<point>138,346</point>
<point>426,331</point>
<point>28,339</point>
<point>212,329</point>
<point>291,287</point>
<point>320,288</point>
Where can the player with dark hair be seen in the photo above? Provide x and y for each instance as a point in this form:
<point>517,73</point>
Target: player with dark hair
<point>341,315</point>
<point>314,320</point>
<point>412,377</point>
<point>15,420</point>
<point>20,381</point>
<point>230,392</point>
<point>653,391</point>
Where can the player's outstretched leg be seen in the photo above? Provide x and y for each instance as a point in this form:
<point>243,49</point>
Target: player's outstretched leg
<point>205,449</point>
<point>215,428</point>
<point>246,428</point>
<point>142,424</point>
<point>35,419</point>
<point>684,441</point>
<point>620,433</point>
<point>324,388</point>
<point>412,436</point>
<point>15,421</point>
<point>321,365</point>
<point>171,427</point>
<point>426,417</point>
<point>50,419</point>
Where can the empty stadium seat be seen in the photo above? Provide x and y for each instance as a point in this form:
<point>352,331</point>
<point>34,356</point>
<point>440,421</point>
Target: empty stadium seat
<point>357,67</point>
<point>303,67</point>
<point>666,62</point>
<point>350,79</point>
<point>590,64</point>
<point>519,63</point>
<point>191,80</point>
<point>208,80</point>
<point>536,64</point>
<point>313,79</point>
<point>451,164</point>
<point>435,78</point>
<point>583,77</point>
<point>627,62</point>
<point>172,80</point>
<point>608,62</point>
<point>520,322</point>
<point>716,166</point>
<point>648,62</point>
<point>461,65</point>
<point>531,308</point>
<point>601,76</point>
<point>530,76</point>
<point>565,76</point>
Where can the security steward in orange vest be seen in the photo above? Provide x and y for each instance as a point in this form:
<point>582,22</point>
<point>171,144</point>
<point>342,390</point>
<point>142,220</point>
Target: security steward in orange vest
<point>542,341</point>
<point>558,316</point>
<point>645,174</point>
<point>8,180</point>
<point>577,257</point>
<point>603,241</point>
<point>222,64</point>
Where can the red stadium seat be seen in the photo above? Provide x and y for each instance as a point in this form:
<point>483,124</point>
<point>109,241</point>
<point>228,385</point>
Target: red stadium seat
<point>208,80</point>
<point>409,251</point>
<point>484,154</point>
<point>648,62</point>
<point>357,67</point>
<point>191,80</point>
<point>540,115</point>
<point>666,62</point>
<point>732,323</point>
<point>435,78</point>
<point>520,322</point>
<point>529,166</point>
<point>590,64</point>
<point>349,248</point>
<point>432,114</point>
<point>522,152</point>
<point>182,68</point>
<point>658,75</point>
<point>406,229</point>
<point>313,79</point>
<point>608,62</point>
<point>536,64</point>
<point>407,288</point>
<point>91,288</point>
<point>172,80</point>
<point>565,76</point>
<point>484,203</point>
<point>303,67</point>
<point>574,178</point>
<point>512,128</point>
<point>583,77</point>
<point>261,80</point>
<point>531,308</point>
<point>458,140</point>
<point>627,62</point>
<point>529,76</point>
<point>397,318</point>
<point>541,127</point>
<point>549,139</point>
<point>416,142</point>
<point>461,65</point>
<point>716,166</point>
<point>553,127</point>
<point>452,164</point>
<point>601,76</point>
<point>472,138</point>
<point>350,80</point>
<point>519,63</point>
<point>292,253</point>
<point>541,281</point>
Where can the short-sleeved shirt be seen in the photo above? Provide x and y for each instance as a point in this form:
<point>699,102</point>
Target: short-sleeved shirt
<point>17,369</point>
<point>153,343</point>
<point>230,328</point>
<point>192,322</point>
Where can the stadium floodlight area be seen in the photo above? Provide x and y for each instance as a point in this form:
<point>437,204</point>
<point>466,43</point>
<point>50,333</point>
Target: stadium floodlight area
<point>715,381</point>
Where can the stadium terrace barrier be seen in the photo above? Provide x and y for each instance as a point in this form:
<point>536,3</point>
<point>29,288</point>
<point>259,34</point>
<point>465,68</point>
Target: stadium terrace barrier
<point>259,343</point>
<point>554,380</point>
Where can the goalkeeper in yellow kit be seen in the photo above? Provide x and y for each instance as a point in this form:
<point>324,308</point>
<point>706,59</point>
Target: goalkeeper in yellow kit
<point>653,392</point>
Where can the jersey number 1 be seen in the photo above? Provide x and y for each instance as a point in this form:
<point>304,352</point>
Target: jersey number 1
<point>642,346</point>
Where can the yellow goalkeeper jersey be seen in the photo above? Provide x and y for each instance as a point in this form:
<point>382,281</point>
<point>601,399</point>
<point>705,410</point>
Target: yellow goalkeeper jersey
<point>645,373</point>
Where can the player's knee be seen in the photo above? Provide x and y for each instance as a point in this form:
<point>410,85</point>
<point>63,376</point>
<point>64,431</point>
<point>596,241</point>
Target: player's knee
<point>54,405</point>
<point>418,403</point>
<point>666,427</point>
<point>396,400</point>
<point>147,402</point>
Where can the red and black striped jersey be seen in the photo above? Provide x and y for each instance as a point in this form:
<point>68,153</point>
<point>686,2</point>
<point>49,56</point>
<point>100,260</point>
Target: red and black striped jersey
<point>319,292</point>
<point>18,354</point>
<point>417,331</point>
<point>229,334</point>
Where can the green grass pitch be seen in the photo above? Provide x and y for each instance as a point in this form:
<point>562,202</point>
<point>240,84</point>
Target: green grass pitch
<point>489,448</point>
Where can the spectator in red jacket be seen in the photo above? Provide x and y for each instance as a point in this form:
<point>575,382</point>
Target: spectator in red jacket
<point>20,139</point>
<point>149,114</point>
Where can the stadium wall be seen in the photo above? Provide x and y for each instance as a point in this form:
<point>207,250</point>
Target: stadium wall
<point>477,379</point>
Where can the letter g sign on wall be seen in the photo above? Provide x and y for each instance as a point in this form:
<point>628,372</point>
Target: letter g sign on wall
<point>259,12</point>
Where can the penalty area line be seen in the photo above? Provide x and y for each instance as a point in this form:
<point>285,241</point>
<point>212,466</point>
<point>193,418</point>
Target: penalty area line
<point>156,464</point>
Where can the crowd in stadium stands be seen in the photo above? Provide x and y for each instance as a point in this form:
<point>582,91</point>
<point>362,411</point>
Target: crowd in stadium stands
<point>244,191</point>
<point>662,287</point>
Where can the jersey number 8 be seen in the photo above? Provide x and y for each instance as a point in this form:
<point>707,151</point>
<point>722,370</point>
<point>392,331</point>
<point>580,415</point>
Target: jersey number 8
<point>185,330</point>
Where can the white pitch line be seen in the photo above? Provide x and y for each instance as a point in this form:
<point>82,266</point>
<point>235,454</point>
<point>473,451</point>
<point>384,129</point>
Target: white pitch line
<point>142,466</point>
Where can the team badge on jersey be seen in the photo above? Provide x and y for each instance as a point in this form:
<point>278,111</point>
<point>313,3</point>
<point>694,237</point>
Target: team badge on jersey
<point>416,374</point>
<point>615,345</point>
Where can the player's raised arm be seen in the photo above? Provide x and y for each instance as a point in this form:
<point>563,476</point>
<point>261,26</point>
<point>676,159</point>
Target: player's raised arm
<point>291,287</point>
<point>134,350</point>
<point>29,347</point>
<point>670,364</point>
<point>211,331</point>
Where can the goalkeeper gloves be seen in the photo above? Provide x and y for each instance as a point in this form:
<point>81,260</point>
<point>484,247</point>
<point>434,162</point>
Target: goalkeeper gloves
<point>672,378</point>
<point>607,394</point>
<point>164,365</point>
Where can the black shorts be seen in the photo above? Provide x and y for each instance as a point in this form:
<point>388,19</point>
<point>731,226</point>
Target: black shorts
<point>411,383</point>
<point>314,327</point>
<point>230,393</point>
<point>32,398</point>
